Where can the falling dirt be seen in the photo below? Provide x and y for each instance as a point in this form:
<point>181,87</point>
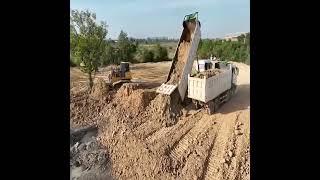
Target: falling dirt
<point>149,136</point>
<point>179,63</point>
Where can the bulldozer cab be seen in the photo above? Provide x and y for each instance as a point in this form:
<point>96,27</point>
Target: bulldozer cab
<point>124,67</point>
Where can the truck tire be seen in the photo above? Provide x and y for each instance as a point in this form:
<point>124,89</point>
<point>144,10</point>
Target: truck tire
<point>210,107</point>
<point>216,104</point>
<point>233,89</point>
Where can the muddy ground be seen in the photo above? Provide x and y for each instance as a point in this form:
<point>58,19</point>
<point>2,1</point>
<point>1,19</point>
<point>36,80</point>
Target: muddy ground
<point>148,136</point>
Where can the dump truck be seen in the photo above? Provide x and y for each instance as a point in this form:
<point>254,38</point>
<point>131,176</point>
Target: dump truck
<point>209,88</point>
<point>212,87</point>
<point>191,34</point>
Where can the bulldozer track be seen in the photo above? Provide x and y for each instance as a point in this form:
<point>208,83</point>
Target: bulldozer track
<point>168,131</point>
<point>191,138</point>
<point>206,162</point>
<point>158,134</point>
<point>240,145</point>
<point>216,166</point>
<point>146,129</point>
<point>172,134</point>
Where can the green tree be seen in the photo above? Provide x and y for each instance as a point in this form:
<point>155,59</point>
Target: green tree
<point>109,55</point>
<point>147,55</point>
<point>126,48</point>
<point>160,53</point>
<point>87,41</point>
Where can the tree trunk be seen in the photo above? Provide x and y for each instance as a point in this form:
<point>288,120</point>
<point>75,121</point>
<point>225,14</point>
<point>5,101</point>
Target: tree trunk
<point>90,80</point>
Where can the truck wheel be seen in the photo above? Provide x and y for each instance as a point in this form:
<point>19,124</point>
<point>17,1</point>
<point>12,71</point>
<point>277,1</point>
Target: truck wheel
<point>216,104</point>
<point>233,90</point>
<point>210,107</point>
<point>196,104</point>
<point>228,94</point>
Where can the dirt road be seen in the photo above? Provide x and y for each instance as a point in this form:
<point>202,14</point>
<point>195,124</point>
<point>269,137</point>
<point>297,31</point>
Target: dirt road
<point>211,147</point>
<point>197,146</point>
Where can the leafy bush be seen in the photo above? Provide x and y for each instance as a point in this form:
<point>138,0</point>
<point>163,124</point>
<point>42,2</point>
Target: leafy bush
<point>147,56</point>
<point>160,53</point>
<point>238,51</point>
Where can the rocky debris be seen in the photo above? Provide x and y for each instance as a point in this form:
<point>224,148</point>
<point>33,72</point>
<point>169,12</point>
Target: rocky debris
<point>208,73</point>
<point>89,157</point>
<point>223,161</point>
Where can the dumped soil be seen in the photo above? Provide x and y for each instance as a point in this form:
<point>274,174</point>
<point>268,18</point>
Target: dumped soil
<point>179,64</point>
<point>86,111</point>
<point>150,136</point>
<point>99,90</point>
<point>208,73</point>
<point>85,107</point>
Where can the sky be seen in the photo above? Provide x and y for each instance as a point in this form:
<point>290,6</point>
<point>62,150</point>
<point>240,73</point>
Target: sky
<point>163,18</point>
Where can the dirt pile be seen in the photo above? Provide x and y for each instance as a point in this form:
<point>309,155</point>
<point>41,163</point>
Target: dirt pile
<point>124,131</point>
<point>126,89</point>
<point>132,160</point>
<point>86,112</point>
<point>165,109</point>
<point>145,137</point>
<point>179,64</point>
<point>138,101</point>
<point>99,90</point>
<point>208,73</point>
<point>126,108</point>
<point>86,108</point>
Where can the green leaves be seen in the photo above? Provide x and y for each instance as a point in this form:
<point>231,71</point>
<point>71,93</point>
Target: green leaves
<point>126,48</point>
<point>226,50</point>
<point>160,53</point>
<point>87,40</point>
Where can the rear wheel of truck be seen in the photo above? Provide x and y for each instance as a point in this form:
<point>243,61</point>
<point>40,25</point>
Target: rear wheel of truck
<point>216,104</point>
<point>211,107</point>
<point>196,104</point>
<point>233,89</point>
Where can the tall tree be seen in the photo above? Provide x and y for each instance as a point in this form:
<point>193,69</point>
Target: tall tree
<point>87,41</point>
<point>126,48</point>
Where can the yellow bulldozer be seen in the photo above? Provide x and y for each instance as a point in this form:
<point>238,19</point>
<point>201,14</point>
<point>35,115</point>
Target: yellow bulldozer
<point>119,75</point>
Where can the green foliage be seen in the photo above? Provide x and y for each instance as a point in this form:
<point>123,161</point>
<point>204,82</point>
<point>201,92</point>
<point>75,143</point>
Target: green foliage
<point>238,51</point>
<point>147,56</point>
<point>72,62</point>
<point>109,56</point>
<point>87,43</point>
<point>125,48</point>
<point>160,53</point>
<point>152,53</point>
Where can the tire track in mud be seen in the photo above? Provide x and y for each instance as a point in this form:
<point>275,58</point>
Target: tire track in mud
<point>217,159</point>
